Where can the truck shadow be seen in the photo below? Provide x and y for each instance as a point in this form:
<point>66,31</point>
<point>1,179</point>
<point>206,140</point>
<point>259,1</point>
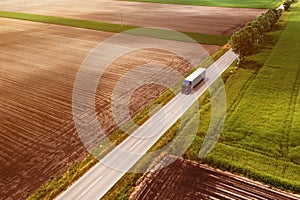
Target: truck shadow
<point>198,86</point>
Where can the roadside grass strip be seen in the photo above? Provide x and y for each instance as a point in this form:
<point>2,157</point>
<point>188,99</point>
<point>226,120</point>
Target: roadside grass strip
<point>211,39</point>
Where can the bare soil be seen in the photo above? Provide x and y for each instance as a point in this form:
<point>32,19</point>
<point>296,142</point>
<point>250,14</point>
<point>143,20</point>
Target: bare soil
<point>210,20</point>
<point>39,64</point>
<point>184,179</point>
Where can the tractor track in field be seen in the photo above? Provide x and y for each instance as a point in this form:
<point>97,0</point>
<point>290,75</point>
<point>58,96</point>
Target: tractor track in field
<point>185,179</point>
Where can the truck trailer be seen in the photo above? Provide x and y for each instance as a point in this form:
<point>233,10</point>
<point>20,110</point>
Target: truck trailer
<point>192,80</point>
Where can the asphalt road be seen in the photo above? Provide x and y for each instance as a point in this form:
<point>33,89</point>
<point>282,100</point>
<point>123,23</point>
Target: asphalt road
<point>99,179</point>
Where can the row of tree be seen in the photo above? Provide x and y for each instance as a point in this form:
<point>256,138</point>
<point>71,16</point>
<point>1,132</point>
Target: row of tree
<point>287,4</point>
<point>247,40</point>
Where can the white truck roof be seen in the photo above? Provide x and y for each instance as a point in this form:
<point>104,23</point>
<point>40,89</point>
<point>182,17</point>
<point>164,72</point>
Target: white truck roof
<point>281,7</point>
<point>195,74</point>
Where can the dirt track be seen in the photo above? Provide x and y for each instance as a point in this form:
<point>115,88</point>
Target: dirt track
<point>39,63</point>
<point>184,179</point>
<point>211,20</point>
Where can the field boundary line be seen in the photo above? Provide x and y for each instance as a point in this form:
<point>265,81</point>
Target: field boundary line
<point>210,39</point>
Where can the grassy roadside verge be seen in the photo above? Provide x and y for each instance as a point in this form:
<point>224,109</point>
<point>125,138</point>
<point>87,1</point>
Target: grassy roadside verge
<point>108,27</point>
<point>218,3</point>
<point>59,183</point>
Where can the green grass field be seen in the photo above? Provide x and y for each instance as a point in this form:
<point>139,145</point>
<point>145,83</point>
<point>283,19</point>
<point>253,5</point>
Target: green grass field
<point>261,137</point>
<point>219,3</point>
<point>219,40</point>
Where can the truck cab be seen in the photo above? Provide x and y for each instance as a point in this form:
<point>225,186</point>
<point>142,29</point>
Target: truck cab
<point>186,87</point>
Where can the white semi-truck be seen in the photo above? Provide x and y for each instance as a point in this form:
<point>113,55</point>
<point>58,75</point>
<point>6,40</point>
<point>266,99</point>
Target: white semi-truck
<point>192,80</point>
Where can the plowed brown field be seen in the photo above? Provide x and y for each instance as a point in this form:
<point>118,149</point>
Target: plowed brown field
<point>38,66</point>
<point>184,179</point>
<point>210,20</point>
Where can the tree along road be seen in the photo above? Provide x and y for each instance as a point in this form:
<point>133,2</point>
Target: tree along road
<point>100,178</point>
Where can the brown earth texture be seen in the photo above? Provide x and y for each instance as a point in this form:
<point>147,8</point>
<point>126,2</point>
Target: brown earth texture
<point>39,64</point>
<point>188,180</point>
<point>210,20</point>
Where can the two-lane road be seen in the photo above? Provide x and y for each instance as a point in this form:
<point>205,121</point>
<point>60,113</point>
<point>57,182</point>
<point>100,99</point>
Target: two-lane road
<point>99,179</point>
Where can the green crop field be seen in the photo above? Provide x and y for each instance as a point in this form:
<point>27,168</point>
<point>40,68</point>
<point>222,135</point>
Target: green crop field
<point>220,3</point>
<point>261,137</point>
